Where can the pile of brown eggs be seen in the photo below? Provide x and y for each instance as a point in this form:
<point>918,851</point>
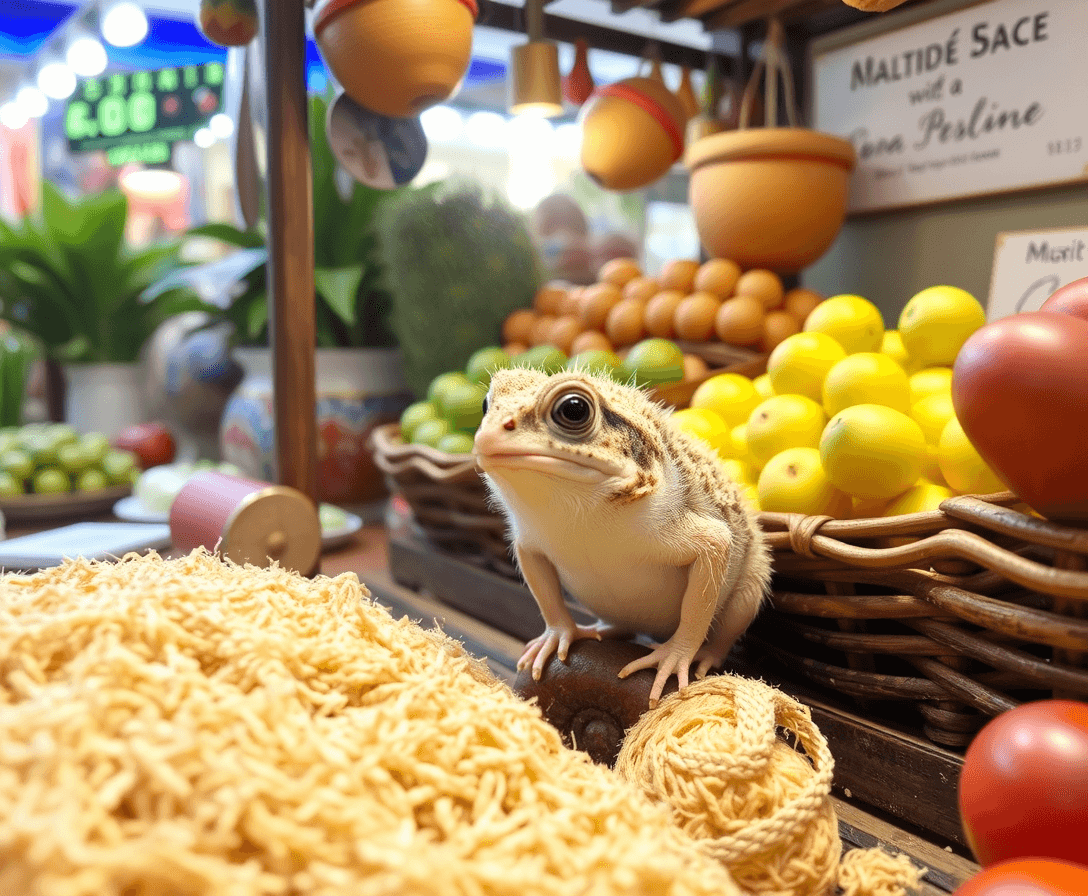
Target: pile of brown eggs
<point>688,301</point>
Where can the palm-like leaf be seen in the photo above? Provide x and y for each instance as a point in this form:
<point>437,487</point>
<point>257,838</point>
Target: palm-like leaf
<point>68,278</point>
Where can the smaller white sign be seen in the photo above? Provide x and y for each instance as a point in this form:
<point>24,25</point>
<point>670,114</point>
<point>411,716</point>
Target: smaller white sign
<point>1030,265</point>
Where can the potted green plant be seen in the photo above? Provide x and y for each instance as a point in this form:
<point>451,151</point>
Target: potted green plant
<point>70,280</point>
<point>360,379</point>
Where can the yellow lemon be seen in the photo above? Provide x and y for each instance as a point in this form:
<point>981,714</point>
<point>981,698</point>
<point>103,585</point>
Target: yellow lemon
<point>730,395</point>
<point>855,323</point>
<point>867,508</point>
<point>892,346</point>
<point>872,451</point>
<point>799,363</point>
<point>920,497</point>
<point>866,378</point>
<point>794,481</point>
<point>738,471</point>
<point>785,421</point>
<point>932,413</point>
<point>931,381</point>
<point>763,386</point>
<point>964,470</point>
<point>936,323</point>
<point>707,425</point>
<point>931,467</point>
<point>739,436</point>
<point>751,493</point>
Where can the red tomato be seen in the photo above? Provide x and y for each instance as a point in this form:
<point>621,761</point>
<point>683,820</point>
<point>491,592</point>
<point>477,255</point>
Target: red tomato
<point>1024,785</point>
<point>1028,877</point>
<point>150,442</point>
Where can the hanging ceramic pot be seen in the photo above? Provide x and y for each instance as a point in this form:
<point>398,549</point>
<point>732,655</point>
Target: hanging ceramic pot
<point>229,23</point>
<point>396,57</point>
<point>632,133</point>
<point>578,84</point>
<point>685,94</point>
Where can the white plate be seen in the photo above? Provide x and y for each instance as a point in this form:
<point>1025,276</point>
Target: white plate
<point>132,510</point>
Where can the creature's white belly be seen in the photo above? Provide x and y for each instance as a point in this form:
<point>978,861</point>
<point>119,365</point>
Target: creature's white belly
<point>627,592</point>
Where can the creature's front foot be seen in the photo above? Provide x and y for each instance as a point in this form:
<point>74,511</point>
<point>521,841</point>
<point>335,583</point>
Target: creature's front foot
<point>555,639</point>
<point>670,658</point>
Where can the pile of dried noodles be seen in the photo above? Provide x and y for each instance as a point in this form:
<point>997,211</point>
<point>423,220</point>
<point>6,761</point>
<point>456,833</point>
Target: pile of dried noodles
<point>188,728</point>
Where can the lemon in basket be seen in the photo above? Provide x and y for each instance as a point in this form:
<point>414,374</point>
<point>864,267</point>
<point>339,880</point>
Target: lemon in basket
<point>855,323</point>
<point>785,421</point>
<point>794,481</point>
<point>963,469</point>
<point>799,363</point>
<point>872,451</point>
<point>763,387</point>
<point>866,378</point>
<point>738,471</point>
<point>706,425</point>
<point>892,346</point>
<point>936,323</point>
<point>930,381</point>
<point>919,498</point>
<point>730,395</point>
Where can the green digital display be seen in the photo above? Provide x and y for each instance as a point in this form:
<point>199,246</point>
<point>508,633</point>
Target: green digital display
<point>142,109</point>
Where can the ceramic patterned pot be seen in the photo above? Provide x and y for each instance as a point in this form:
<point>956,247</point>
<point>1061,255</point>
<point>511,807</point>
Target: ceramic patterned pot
<point>357,390</point>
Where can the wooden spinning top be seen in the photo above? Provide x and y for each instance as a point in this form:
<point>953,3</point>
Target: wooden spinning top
<point>397,57</point>
<point>632,133</point>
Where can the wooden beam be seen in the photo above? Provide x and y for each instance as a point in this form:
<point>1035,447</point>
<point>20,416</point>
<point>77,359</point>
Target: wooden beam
<point>742,12</point>
<point>690,9</point>
<point>292,328</point>
<point>558,28</point>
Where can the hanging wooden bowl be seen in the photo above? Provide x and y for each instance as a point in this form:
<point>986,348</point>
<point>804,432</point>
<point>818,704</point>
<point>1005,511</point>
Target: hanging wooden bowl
<point>632,133</point>
<point>770,198</point>
<point>397,57</point>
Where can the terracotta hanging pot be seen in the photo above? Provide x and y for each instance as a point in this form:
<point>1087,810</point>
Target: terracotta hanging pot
<point>685,94</point>
<point>397,57</point>
<point>578,84</point>
<point>229,23</point>
<point>632,133</point>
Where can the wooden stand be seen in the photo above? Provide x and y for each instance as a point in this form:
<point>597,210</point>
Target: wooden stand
<point>292,324</point>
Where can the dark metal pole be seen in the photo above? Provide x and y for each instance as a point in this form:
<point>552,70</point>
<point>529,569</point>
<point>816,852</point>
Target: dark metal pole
<point>292,325</point>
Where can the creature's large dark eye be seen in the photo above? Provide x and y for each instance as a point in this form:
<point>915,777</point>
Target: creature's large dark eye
<point>573,413</point>
<point>485,405</point>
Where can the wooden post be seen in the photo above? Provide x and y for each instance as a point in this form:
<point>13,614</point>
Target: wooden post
<point>292,326</point>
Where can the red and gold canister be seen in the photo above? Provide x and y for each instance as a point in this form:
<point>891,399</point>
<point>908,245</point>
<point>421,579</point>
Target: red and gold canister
<point>247,521</point>
<point>397,57</point>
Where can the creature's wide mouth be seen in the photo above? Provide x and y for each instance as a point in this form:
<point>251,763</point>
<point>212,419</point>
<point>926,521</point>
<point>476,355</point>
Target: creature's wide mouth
<point>580,469</point>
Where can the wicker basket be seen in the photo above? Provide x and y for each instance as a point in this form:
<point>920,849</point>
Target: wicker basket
<point>982,608</point>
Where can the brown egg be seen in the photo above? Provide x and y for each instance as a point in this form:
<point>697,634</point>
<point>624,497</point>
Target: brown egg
<point>641,288</point>
<point>718,276</point>
<point>695,368</point>
<point>778,326</point>
<point>740,321</point>
<point>541,334</point>
<point>518,326</point>
<point>659,313</point>
<point>590,339</point>
<point>595,304</point>
<point>549,297</point>
<point>570,303</point>
<point>694,316</point>
<point>619,271</point>
<point>513,349</point>
<point>679,275</point>
<point>564,331</point>
<point>624,324</point>
<point>800,302</point>
<point>764,285</point>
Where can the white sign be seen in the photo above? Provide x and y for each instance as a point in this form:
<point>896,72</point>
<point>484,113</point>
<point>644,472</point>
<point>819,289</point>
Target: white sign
<point>1030,265</point>
<point>988,99</point>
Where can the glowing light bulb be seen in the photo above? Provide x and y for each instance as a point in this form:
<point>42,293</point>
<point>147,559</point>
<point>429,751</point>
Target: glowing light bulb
<point>124,24</point>
<point>32,101</point>
<point>57,81</point>
<point>12,115</point>
<point>86,57</point>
